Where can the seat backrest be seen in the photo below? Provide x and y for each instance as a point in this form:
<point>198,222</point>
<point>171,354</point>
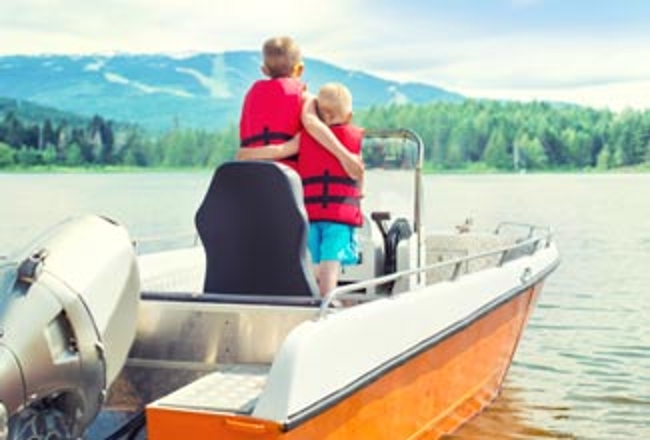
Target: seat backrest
<point>253,226</point>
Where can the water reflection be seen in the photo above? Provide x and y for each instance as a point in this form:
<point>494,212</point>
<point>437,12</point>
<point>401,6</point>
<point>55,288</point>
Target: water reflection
<point>506,419</point>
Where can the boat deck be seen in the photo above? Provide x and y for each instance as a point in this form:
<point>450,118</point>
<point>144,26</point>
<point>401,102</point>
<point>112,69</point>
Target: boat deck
<point>232,388</point>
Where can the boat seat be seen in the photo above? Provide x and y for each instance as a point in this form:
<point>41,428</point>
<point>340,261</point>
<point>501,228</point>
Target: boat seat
<point>253,226</point>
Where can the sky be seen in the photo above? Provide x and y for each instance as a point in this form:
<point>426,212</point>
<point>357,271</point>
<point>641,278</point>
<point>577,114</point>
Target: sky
<point>589,52</point>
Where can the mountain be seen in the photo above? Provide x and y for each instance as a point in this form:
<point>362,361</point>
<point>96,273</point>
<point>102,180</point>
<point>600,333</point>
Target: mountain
<point>29,112</point>
<point>158,91</point>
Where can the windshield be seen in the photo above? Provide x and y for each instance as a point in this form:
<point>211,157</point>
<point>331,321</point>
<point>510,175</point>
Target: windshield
<point>394,183</point>
<point>381,151</point>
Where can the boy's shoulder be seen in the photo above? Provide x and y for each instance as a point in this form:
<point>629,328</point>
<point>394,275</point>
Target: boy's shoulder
<point>276,88</point>
<point>287,84</point>
<point>280,80</point>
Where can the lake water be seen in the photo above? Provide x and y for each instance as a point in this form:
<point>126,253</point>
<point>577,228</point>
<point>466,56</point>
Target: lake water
<point>582,369</point>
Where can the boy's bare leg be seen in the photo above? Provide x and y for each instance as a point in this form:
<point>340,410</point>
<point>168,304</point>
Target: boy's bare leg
<point>328,276</point>
<point>316,271</point>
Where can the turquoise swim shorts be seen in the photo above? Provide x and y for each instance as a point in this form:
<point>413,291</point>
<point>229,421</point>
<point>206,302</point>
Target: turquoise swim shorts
<point>329,241</point>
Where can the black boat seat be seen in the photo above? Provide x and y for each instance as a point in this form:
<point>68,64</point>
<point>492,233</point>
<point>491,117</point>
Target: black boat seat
<point>253,226</point>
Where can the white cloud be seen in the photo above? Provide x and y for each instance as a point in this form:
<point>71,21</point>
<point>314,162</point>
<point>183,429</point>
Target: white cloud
<point>454,53</point>
<point>544,61</point>
<point>616,97</point>
<point>64,26</point>
<point>588,69</point>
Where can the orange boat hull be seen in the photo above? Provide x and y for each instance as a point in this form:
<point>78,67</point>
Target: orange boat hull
<point>430,395</point>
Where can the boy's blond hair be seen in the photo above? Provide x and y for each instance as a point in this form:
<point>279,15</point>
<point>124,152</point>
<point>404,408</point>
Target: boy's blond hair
<point>337,99</point>
<point>281,57</point>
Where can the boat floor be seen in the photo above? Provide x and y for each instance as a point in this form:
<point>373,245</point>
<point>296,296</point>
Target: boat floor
<point>231,388</point>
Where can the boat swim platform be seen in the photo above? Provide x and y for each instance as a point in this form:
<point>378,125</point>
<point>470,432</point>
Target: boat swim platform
<point>231,388</point>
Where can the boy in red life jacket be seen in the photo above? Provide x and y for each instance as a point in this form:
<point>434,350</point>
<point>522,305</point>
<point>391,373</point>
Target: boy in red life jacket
<point>332,197</point>
<point>271,112</point>
<point>274,110</point>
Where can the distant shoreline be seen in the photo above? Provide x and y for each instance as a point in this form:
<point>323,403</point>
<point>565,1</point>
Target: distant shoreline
<point>476,170</point>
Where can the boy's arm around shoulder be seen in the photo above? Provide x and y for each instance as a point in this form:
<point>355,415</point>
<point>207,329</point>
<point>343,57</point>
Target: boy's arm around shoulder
<point>351,163</point>
<point>270,152</point>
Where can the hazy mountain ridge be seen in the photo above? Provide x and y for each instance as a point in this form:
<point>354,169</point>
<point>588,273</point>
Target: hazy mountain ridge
<point>195,90</point>
<point>29,112</point>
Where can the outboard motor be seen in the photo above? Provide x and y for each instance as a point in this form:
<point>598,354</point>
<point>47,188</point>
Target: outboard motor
<point>68,311</point>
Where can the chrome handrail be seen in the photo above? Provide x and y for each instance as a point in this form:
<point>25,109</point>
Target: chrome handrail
<point>192,237</point>
<point>530,246</point>
<point>531,228</point>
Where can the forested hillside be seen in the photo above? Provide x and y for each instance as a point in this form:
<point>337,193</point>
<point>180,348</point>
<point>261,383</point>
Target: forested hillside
<point>468,135</point>
<point>535,136</point>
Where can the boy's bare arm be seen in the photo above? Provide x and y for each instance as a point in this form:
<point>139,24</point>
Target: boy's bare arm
<point>352,164</point>
<point>270,152</point>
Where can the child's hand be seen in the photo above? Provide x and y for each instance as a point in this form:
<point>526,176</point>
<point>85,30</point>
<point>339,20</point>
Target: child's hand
<point>353,166</point>
<point>245,154</point>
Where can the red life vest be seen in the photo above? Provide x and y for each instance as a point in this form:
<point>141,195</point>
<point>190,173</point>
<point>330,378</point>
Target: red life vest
<point>271,113</point>
<point>330,194</point>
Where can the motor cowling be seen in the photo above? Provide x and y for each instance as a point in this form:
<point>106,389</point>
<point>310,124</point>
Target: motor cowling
<point>68,307</point>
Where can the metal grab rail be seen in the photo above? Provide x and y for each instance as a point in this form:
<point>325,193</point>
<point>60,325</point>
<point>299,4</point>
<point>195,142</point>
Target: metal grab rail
<point>531,228</point>
<point>141,242</point>
<point>529,247</point>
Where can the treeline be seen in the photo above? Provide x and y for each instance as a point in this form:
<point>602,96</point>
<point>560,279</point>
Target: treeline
<point>499,135</point>
<point>101,142</point>
<point>507,135</point>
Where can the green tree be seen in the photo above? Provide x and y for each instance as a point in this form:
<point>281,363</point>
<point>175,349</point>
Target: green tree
<point>496,152</point>
<point>605,159</point>
<point>49,136</point>
<point>12,130</point>
<point>73,155</point>
<point>6,155</point>
<point>135,150</point>
<point>531,153</point>
<point>29,156</point>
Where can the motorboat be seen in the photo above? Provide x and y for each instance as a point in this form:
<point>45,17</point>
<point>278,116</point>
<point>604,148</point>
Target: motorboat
<point>229,338</point>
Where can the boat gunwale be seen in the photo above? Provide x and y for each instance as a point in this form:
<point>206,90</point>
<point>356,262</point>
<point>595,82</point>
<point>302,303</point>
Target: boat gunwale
<point>537,242</point>
<point>325,304</point>
<point>405,356</point>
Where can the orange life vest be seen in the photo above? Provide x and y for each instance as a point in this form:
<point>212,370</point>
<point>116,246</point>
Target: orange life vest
<point>330,194</point>
<point>271,113</point>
